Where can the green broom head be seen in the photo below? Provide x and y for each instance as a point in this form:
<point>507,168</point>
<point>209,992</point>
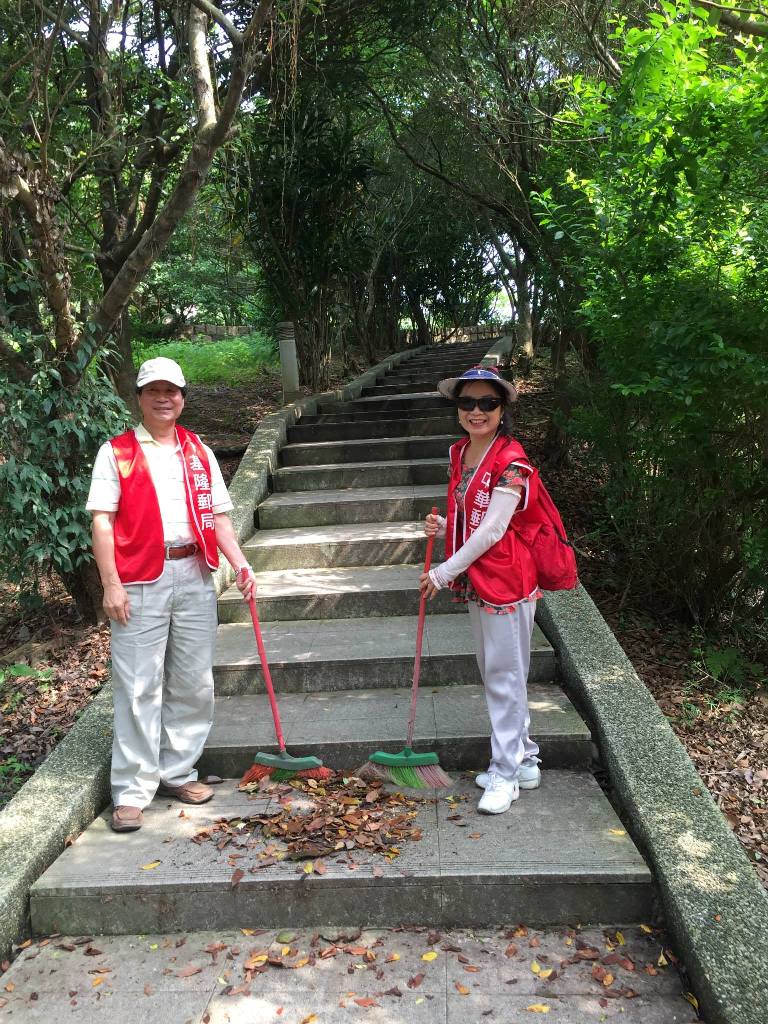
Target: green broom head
<point>406,768</point>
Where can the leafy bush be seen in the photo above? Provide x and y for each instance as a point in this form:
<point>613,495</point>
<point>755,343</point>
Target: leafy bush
<point>229,361</point>
<point>49,436</point>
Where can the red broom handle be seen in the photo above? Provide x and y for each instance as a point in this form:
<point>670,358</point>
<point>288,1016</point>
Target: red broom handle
<point>267,676</point>
<point>419,639</point>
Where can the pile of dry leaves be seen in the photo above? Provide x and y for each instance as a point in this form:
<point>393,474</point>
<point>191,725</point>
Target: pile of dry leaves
<point>317,820</point>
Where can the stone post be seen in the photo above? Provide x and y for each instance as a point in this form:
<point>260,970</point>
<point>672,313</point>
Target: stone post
<point>289,367</point>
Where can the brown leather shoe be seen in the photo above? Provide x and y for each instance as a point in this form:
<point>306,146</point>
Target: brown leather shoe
<point>189,793</point>
<point>126,819</point>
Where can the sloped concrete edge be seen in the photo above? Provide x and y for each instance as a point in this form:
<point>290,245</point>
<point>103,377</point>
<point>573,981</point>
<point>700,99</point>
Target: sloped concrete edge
<point>72,785</point>
<point>715,907</point>
<point>61,799</point>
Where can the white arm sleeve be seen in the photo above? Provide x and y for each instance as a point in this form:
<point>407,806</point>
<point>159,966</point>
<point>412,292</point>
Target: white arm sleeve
<point>440,526</point>
<point>495,522</point>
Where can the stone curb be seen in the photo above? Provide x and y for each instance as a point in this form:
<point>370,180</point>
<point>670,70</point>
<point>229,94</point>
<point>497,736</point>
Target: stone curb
<point>72,785</point>
<point>714,905</point>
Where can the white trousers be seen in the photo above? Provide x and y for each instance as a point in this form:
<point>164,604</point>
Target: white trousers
<point>503,648</point>
<point>163,681</point>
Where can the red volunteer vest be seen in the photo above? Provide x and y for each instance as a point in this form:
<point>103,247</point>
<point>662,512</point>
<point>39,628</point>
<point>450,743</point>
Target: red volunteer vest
<point>506,572</point>
<point>139,541</point>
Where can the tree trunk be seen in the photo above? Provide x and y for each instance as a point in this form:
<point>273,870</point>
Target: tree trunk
<point>524,327</point>
<point>84,584</point>
<point>121,371</point>
<point>423,333</point>
<point>556,440</point>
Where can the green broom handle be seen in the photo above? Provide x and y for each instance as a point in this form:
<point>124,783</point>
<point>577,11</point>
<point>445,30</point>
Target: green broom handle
<point>267,676</point>
<point>419,639</point>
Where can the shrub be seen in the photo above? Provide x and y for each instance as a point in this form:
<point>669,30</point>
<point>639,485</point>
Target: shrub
<point>229,361</point>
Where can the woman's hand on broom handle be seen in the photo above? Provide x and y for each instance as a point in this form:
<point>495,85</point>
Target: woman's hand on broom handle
<point>431,526</point>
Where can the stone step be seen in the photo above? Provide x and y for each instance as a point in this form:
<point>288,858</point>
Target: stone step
<point>349,505</point>
<point>329,547</point>
<point>398,388</point>
<point>370,449</point>
<point>420,399</point>
<point>339,593</point>
<point>361,474</point>
<point>344,728</point>
<point>356,429</point>
<point>359,415</point>
<point>356,654</point>
<point>559,856</point>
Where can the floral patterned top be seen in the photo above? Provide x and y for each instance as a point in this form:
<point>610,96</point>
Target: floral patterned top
<point>513,476</point>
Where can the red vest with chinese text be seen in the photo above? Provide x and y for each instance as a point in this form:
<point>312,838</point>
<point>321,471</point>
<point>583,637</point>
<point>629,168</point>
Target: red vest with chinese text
<point>506,572</point>
<point>138,527</point>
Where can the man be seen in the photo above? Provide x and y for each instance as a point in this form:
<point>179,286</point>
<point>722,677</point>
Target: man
<point>159,507</point>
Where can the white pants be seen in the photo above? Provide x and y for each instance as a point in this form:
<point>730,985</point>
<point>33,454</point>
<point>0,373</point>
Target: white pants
<point>503,647</point>
<point>163,681</point>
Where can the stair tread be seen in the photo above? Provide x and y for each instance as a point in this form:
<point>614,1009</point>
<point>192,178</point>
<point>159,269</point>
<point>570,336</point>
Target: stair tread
<point>337,534</point>
<point>379,717</point>
<point>342,580</point>
<point>374,441</point>
<point>351,640</point>
<point>352,494</point>
<point>288,471</point>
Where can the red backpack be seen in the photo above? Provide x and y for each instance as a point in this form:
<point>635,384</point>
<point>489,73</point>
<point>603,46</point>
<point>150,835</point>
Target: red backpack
<point>541,529</point>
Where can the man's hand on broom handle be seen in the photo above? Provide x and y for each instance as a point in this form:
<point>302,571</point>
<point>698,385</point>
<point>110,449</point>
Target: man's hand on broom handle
<point>246,584</point>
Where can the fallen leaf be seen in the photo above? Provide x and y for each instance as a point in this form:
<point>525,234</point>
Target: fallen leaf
<point>366,1001</point>
<point>475,835</point>
<point>309,1019</point>
<point>97,981</point>
<point>646,929</point>
<point>545,972</point>
<point>692,1000</point>
<point>536,967</point>
<point>248,931</point>
<point>534,942</point>
<point>237,875</point>
<point>148,990</point>
<point>617,831</point>
<point>151,866</point>
<point>511,950</point>
<point>92,951</point>
<point>431,955</point>
<point>461,989</point>
<point>538,1008</point>
<point>415,981</point>
<point>392,957</point>
<point>188,971</point>
<point>10,986</point>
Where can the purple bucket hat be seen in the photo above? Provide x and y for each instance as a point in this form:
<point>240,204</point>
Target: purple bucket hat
<point>490,373</point>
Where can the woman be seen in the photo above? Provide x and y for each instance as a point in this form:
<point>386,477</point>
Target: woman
<point>492,571</point>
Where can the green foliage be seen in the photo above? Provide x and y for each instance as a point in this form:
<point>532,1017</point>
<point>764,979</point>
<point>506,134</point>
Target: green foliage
<point>663,222</point>
<point>233,361</point>
<point>49,436</point>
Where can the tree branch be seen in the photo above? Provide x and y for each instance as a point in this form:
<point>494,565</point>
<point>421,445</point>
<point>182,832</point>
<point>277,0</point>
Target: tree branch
<point>742,25</point>
<point>221,20</point>
<point>202,83</point>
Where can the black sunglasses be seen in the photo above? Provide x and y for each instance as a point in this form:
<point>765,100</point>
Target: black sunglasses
<point>486,403</point>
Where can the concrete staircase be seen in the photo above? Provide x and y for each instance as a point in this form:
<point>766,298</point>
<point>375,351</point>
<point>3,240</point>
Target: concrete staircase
<point>337,554</point>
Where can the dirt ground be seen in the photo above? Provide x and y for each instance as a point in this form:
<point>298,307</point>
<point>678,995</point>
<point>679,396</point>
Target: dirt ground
<point>728,742</point>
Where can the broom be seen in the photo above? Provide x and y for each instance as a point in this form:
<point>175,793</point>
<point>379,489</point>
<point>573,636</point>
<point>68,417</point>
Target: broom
<point>280,766</point>
<point>407,768</point>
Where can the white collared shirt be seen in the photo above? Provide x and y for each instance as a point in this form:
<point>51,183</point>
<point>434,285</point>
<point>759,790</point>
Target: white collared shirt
<point>166,468</point>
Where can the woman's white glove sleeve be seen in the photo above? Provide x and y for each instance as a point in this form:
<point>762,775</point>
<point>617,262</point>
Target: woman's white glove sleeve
<point>441,521</point>
<point>495,522</point>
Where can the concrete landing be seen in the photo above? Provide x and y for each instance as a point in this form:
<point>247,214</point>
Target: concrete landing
<point>340,593</point>
<point>349,654</point>
<point>560,855</point>
<point>475,976</point>
<point>344,728</point>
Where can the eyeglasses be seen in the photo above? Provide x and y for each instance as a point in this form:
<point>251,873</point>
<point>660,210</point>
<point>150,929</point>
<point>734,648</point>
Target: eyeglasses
<point>486,403</point>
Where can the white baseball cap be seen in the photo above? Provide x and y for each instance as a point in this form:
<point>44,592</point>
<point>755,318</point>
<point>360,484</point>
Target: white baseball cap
<point>160,368</point>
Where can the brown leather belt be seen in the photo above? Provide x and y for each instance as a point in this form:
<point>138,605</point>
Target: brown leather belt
<point>181,551</point>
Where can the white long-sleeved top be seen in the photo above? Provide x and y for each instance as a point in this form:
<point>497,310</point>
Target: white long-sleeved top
<point>494,524</point>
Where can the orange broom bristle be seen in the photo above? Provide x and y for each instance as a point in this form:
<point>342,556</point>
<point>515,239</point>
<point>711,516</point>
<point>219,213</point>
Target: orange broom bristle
<point>257,772</point>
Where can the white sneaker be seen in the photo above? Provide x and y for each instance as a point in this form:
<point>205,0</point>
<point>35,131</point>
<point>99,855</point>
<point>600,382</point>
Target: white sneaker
<point>499,795</point>
<point>529,777</point>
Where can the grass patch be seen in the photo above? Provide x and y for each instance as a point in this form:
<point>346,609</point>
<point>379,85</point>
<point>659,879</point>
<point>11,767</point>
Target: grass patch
<point>233,361</point>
